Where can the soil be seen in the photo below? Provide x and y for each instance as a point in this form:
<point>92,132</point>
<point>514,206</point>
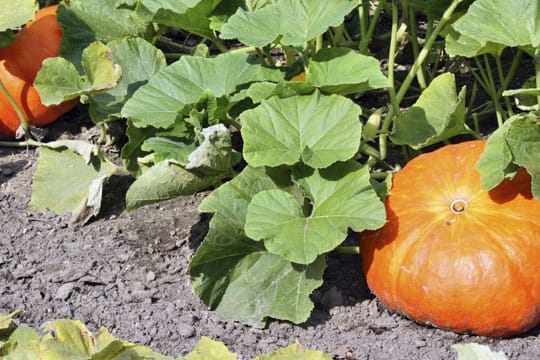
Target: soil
<point>128,272</point>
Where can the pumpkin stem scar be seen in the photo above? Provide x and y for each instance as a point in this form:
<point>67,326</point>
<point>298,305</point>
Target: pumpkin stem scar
<point>458,206</point>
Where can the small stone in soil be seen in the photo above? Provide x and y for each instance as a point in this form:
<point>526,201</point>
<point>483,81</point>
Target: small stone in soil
<point>64,291</point>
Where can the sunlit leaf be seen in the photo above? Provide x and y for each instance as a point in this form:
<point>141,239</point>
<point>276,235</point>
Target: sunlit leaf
<point>343,71</point>
<point>318,130</point>
<point>235,275</point>
<point>160,102</point>
<point>294,352</point>
<point>514,24</point>
<point>55,186</point>
<point>474,351</point>
<point>208,349</point>
<point>16,13</point>
<point>294,22</point>
<point>341,197</point>
<point>437,115</point>
<point>59,80</point>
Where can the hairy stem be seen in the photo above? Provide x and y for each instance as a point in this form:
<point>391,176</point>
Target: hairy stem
<point>412,74</point>
<point>18,110</point>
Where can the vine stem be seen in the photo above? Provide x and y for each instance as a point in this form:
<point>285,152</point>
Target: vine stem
<point>363,15</point>
<point>25,143</point>
<point>365,43</point>
<point>18,110</point>
<point>350,250</point>
<point>412,74</point>
<point>537,71</point>
<point>391,58</point>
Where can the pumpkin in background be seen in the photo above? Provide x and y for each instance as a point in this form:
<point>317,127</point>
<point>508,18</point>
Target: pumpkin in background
<point>19,65</point>
<point>454,255</point>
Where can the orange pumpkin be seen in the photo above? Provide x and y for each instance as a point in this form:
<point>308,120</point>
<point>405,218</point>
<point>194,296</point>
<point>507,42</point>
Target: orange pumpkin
<point>454,255</point>
<point>19,65</point>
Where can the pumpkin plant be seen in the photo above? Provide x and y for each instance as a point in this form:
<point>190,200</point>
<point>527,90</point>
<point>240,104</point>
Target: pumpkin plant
<point>454,255</point>
<point>19,65</point>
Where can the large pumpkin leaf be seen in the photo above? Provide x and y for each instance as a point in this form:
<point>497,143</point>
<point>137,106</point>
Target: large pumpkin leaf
<point>84,22</point>
<point>191,15</point>
<point>523,138</point>
<point>54,186</point>
<point>294,22</point>
<point>139,61</point>
<point>59,80</point>
<point>160,102</point>
<point>341,197</point>
<point>437,115</point>
<point>316,129</point>
<point>235,275</point>
<point>515,23</point>
<point>343,71</point>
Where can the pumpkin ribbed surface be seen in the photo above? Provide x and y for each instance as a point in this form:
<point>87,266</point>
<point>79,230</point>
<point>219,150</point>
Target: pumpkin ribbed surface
<point>454,255</point>
<point>19,65</point>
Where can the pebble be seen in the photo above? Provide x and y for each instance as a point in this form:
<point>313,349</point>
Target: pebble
<point>64,291</point>
<point>150,276</point>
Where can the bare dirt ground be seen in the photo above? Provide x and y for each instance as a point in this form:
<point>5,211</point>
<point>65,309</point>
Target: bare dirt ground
<point>128,272</point>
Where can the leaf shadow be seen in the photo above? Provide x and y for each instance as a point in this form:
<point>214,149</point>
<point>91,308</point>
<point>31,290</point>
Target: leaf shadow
<point>11,169</point>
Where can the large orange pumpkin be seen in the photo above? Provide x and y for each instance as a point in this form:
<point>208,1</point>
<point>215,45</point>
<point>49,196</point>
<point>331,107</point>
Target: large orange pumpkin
<point>454,255</point>
<point>19,65</point>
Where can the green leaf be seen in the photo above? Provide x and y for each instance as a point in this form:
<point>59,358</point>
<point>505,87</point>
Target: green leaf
<point>7,324</point>
<point>437,115</point>
<point>167,180</point>
<point>163,100</point>
<point>59,81</point>
<point>66,339</point>
<point>107,347</point>
<point>343,71</point>
<point>294,352</point>
<point>84,22</point>
<point>132,151</point>
<point>139,61</point>
<point>293,22</point>
<point>457,44</point>
<point>165,148</point>
<point>16,13</point>
<point>523,139</point>
<point>496,162</point>
<point>56,188</point>
<point>70,339</point>
<point>235,275</point>
<point>208,349</point>
<point>340,196</point>
<point>22,345</point>
<point>318,130</point>
<point>515,24</point>
<point>190,15</point>
<point>474,351</point>
<point>243,282</point>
